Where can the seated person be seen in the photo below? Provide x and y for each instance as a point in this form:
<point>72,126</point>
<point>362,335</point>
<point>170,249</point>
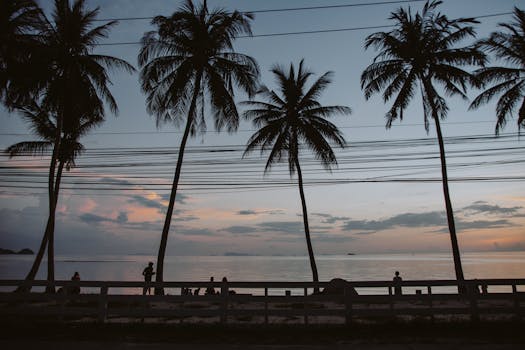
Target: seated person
<point>210,290</point>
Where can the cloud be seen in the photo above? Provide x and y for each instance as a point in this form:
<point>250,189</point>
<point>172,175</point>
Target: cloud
<point>246,212</point>
<point>89,218</point>
<point>519,246</point>
<point>190,231</point>
<point>122,221</point>
<point>122,217</point>
<point>330,219</point>
<point>115,181</point>
<point>481,207</point>
<point>181,198</point>
<point>159,203</point>
<point>433,219</point>
<point>239,229</point>
<point>146,202</point>
<point>463,225</point>
<point>24,229</point>
<point>184,218</point>
<point>258,212</point>
<point>286,227</point>
<point>429,219</point>
<point>291,227</point>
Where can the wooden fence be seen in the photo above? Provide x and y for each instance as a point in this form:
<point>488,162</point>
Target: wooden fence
<point>272,302</point>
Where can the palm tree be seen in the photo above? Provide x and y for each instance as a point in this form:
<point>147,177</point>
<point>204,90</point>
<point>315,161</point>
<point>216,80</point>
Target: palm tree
<point>188,59</point>
<point>20,20</point>
<point>509,46</point>
<point>76,85</point>
<point>419,53</point>
<point>291,120</point>
<point>43,123</point>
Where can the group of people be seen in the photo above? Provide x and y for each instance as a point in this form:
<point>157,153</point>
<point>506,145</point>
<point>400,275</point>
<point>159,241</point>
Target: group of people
<point>148,274</point>
<point>208,291</point>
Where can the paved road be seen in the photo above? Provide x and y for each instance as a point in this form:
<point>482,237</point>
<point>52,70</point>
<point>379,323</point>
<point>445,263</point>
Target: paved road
<point>85,345</point>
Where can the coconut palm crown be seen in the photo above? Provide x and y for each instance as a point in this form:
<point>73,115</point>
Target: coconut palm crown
<point>419,54</point>
<point>291,121</point>
<point>189,64</point>
<point>74,87</point>
<point>20,23</point>
<point>508,46</point>
<point>43,125</point>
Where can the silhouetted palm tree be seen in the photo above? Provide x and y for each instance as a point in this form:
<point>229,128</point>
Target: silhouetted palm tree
<point>189,59</point>
<point>76,84</point>
<point>291,120</point>
<point>508,46</point>
<point>43,125</point>
<point>20,22</point>
<point>421,50</point>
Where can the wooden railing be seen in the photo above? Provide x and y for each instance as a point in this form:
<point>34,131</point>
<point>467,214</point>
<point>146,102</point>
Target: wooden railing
<point>267,302</point>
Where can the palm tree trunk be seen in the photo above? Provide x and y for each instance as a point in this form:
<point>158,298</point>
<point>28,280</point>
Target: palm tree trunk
<point>448,203</point>
<point>38,260</point>
<point>306,227</point>
<point>169,213</point>
<point>51,236</point>
<point>43,244</point>
<point>50,227</point>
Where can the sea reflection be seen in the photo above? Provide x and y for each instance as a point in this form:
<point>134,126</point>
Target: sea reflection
<point>277,268</point>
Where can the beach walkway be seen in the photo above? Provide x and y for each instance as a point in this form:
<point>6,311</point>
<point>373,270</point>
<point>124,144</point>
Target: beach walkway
<point>459,344</point>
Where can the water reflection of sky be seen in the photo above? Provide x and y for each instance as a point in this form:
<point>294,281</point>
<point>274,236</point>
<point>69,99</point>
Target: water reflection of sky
<point>277,268</point>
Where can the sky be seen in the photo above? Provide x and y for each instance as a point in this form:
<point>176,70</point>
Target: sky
<point>385,196</point>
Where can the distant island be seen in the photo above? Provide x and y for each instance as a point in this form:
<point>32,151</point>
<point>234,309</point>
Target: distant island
<point>237,254</point>
<point>350,254</point>
<point>25,251</point>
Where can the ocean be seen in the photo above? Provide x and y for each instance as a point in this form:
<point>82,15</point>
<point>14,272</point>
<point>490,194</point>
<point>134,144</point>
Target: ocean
<point>359,267</point>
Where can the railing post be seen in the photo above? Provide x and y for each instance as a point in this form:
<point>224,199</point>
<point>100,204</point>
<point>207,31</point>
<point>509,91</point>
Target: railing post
<point>472,292</point>
<point>61,299</point>
<point>305,306</point>
<point>348,304</point>
<point>266,306</point>
<point>103,304</point>
<point>430,302</point>
<point>224,303</point>
<point>391,298</point>
<point>516,302</point>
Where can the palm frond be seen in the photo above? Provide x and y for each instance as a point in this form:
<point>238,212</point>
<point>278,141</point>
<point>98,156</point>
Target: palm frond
<point>29,148</point>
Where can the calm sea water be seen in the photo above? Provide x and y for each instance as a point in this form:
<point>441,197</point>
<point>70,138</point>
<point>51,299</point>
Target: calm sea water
<point>276,268</point>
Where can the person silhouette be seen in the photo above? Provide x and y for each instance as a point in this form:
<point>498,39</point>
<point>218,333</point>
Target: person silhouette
<point>75,289</point>
<point>210,290</point>
<point>397,284</point>
<point>147,273</point>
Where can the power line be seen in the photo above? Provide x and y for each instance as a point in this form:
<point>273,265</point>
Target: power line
<point>252,130</point>
<point>310,31</point>
<point>233,185</point>
<point>290,9</point>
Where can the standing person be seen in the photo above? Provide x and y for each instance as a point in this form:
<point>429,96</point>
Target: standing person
<point>397,284</point>
<point>147,273</point>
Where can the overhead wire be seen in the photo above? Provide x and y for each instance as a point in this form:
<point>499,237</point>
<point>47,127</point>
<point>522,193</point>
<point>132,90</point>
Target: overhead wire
<point>290,9</point>
<point>252,130</point>
<point>215,169</point>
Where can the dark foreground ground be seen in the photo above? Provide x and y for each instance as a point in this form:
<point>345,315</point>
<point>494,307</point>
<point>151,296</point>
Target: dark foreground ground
<point>425,336</point>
